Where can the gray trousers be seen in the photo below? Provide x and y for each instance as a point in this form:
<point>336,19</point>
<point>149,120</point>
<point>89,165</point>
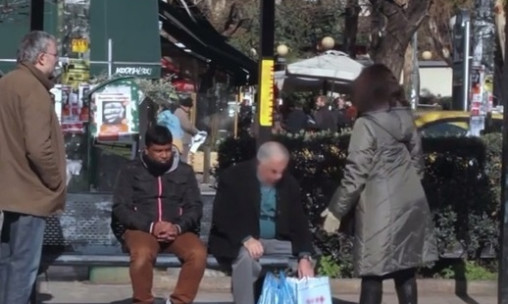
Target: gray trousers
<point>246,270</point>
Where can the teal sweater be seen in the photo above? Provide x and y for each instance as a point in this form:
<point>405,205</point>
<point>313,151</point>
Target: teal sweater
<point>267,214</point>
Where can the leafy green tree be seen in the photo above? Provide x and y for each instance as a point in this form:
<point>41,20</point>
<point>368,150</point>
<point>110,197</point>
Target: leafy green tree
<point>299,24</point>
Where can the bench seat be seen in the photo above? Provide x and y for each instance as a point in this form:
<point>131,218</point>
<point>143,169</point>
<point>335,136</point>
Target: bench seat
<point>163,260</point>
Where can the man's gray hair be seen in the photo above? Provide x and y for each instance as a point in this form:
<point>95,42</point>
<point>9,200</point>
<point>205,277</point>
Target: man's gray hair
<point>272,149</point>
<point>33,44</point>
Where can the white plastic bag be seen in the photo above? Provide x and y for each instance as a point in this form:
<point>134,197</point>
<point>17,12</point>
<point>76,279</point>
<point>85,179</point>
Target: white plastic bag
<point>311,290</point>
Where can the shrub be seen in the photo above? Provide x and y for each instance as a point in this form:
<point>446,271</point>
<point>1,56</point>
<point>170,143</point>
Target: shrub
<point>462,183</point>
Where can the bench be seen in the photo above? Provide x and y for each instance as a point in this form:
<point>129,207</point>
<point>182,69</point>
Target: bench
<point>82,236</point>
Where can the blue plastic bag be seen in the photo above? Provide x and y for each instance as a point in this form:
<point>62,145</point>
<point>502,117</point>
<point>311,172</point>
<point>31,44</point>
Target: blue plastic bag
<point>277,290</point>
<point>170,121</point>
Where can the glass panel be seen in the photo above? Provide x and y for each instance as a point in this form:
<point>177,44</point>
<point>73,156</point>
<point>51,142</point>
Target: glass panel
<point>133,28</point>
<point>72,109</point>
<point>14,23</point>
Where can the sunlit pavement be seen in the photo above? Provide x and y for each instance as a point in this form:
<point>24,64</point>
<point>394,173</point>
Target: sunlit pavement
<point>81,292</point>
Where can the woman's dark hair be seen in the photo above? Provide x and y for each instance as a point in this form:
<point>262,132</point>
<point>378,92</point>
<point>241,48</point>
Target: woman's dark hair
<point>187,102</point>
<point>375,88</point>
<point>158,135</point>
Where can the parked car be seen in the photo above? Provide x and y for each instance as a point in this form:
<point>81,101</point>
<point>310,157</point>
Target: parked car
<point>450,123</point>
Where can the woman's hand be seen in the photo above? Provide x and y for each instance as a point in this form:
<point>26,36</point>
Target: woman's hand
<point>331,224</point>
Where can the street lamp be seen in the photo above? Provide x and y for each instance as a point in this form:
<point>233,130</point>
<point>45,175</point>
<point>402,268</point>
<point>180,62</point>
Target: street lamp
<point>282,50</point>
<point>327,43</point>
<point>427,55</point>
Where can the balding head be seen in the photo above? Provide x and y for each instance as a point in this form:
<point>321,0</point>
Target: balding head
<point>272,150</point>
<point>273,159</point>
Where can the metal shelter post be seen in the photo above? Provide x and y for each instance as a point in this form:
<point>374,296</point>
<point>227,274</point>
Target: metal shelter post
<point>37,15</point>
<point>265,94</point>
<point>503,255</point>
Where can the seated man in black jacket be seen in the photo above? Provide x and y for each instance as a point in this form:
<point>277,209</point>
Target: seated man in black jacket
<point>258,211</point>
<point>158,201</point>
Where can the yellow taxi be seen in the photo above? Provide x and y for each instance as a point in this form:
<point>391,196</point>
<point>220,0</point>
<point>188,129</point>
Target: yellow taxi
<point>449,123</point>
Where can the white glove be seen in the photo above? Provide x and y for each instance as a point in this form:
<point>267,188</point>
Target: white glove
<point>331,224</point>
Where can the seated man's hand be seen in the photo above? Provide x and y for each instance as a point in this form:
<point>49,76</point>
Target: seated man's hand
<point>331,224</point>
<point>165,231</point>
<point>305,268</point>
<point>254,247</point>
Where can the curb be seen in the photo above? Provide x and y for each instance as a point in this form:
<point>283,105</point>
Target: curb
<point>216,281</point>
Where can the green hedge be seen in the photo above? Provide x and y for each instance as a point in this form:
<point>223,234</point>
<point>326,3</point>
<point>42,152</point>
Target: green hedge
<point>462,183</point>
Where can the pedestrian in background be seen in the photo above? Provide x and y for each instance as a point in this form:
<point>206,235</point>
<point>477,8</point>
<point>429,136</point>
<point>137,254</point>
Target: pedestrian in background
<point>382,183</point>
<point>325,119</point>
<point>340,111</point>
<point>189,130</point>
<point>33,167</point>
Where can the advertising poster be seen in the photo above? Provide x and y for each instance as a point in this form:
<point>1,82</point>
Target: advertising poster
<point>481,99</point>
<point>84,112</point>
<point>76,72</point>
<point>113,116</point>
<point>56,93</point>
<point>476,91</point>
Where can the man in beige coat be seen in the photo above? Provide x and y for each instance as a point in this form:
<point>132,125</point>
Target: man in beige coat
<point>32,165</point>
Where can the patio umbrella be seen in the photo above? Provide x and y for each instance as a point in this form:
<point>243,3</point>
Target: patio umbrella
<point>332,67</point>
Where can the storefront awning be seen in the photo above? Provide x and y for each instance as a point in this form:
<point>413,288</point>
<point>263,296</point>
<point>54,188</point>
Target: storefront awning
<point>196,35</point>
<point>125,32</point>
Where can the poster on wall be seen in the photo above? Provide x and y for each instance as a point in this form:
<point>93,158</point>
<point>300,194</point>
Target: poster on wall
<point>56,94</point>
<point>113,116</point>
<point>481,99</point>
<point>84,113</point>
<point>75,109</point>
<point>76,72</point>
<point>476,91</point>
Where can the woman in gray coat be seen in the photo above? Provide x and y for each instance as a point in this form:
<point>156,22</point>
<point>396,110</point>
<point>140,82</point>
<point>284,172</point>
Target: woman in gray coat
<point>382,182</point>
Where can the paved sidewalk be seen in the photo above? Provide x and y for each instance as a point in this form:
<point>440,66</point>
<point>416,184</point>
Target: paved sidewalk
<point>85,293</point>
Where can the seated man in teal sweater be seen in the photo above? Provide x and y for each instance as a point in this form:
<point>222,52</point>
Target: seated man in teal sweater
<point>258,211</point>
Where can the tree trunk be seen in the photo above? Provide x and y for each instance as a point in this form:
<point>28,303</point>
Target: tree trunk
<point>351,27</point>
<point>407,69</point>
<point>391,52</point>
<point>393,25</point>
<point>438,40</point>
<point>411,72</point>
<point>500,20</point>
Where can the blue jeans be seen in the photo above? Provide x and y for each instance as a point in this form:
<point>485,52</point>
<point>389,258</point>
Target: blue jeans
<point>20,254</point>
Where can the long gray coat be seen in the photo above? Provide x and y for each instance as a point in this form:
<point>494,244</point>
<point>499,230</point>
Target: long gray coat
<point>382,181</point>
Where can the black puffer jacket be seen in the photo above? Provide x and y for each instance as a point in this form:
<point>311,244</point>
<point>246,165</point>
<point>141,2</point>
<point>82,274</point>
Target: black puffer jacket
<point>141,198</point>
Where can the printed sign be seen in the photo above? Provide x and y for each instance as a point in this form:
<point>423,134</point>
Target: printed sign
<point>79,45</point>
<point>266,93</point>
<point>133,71</point>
